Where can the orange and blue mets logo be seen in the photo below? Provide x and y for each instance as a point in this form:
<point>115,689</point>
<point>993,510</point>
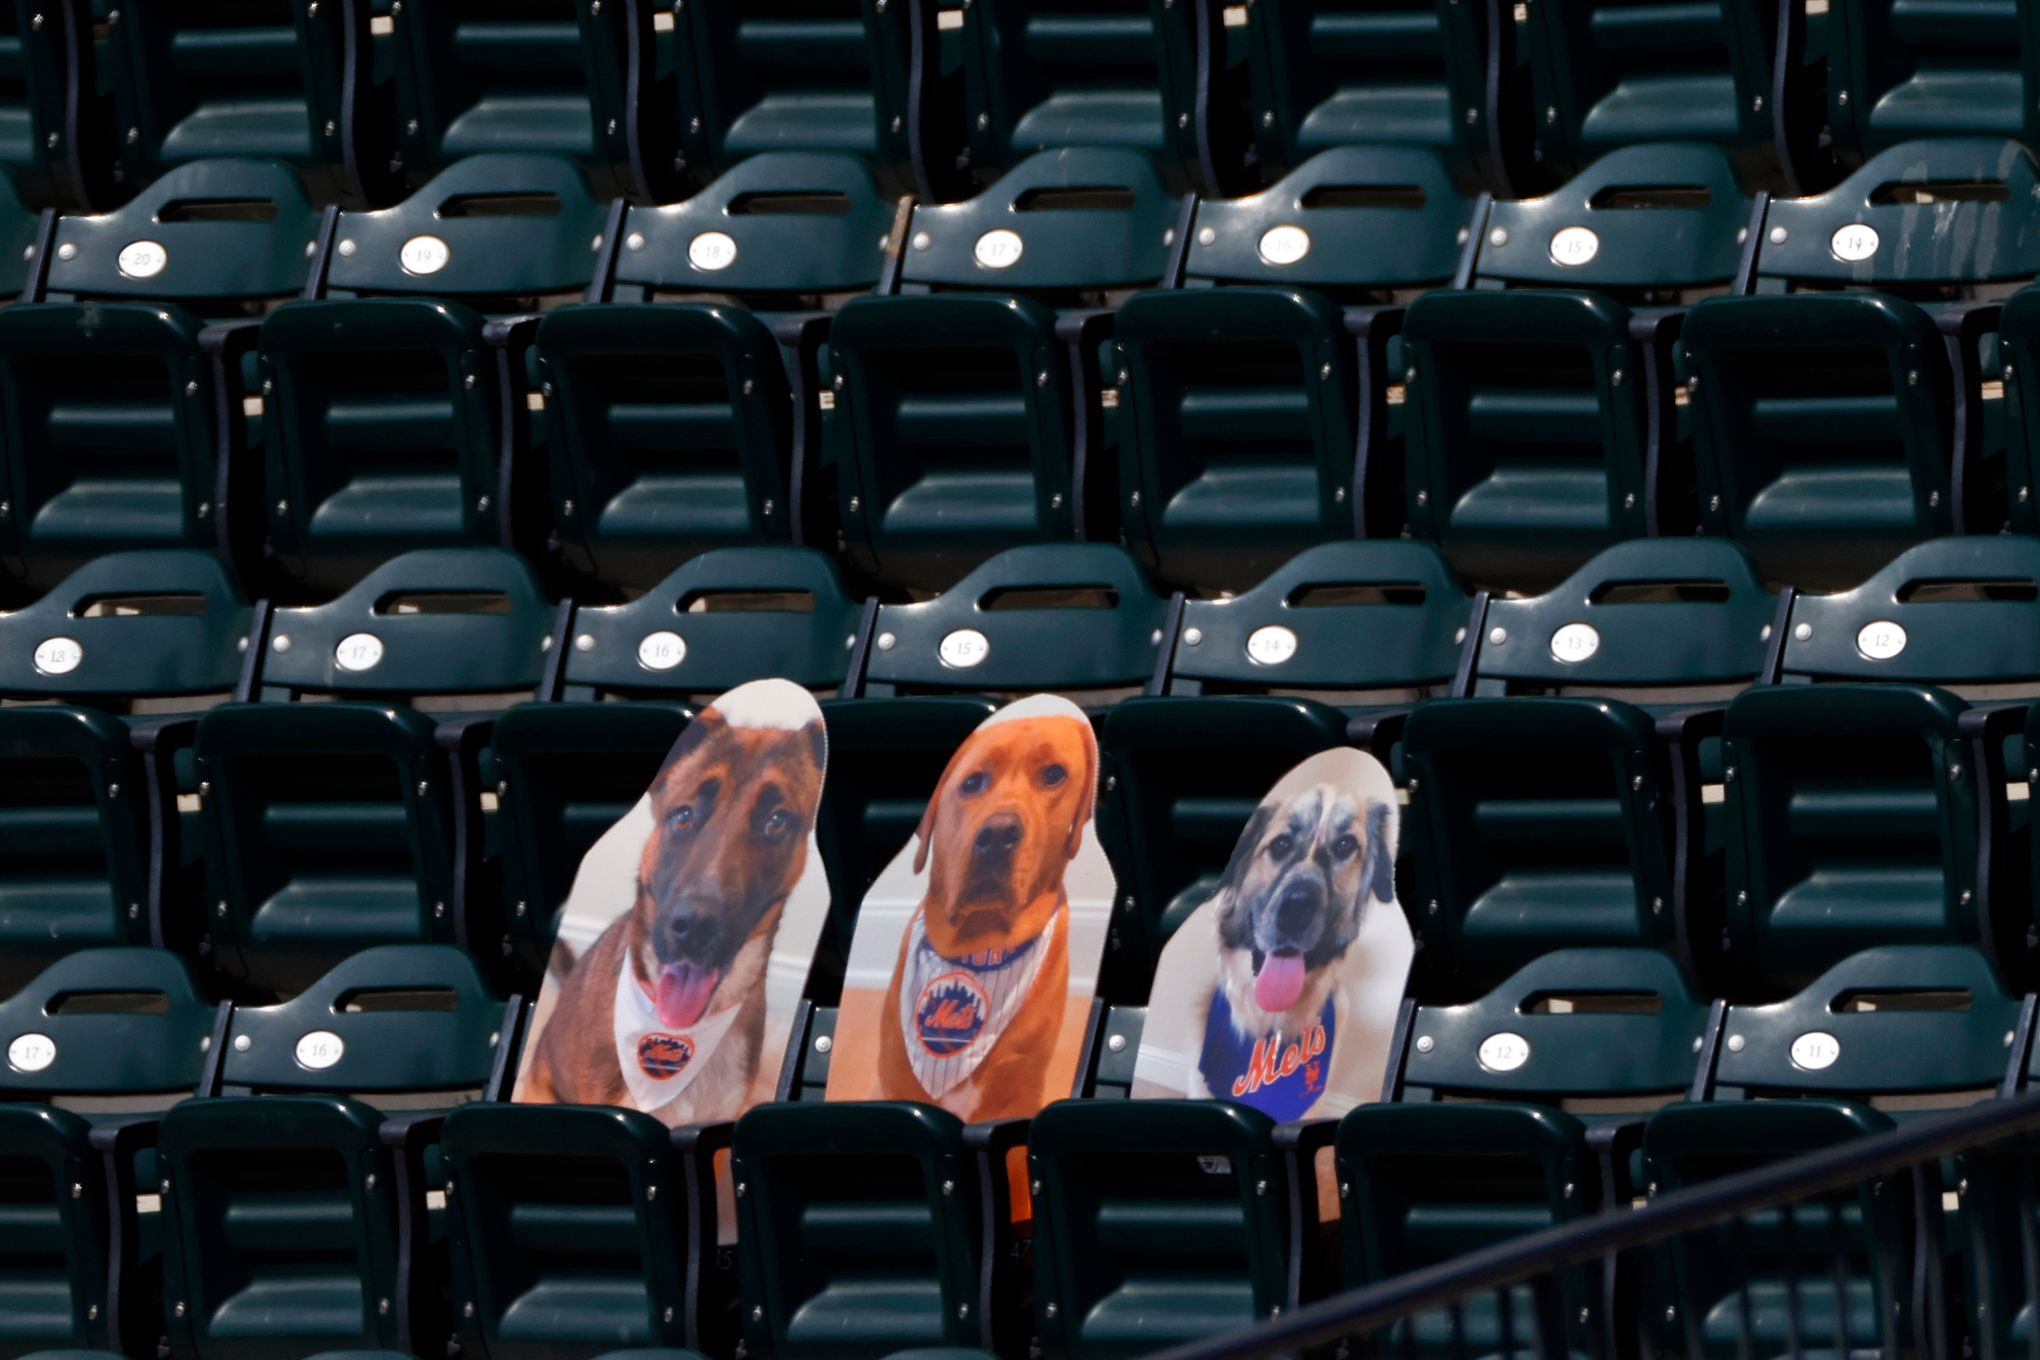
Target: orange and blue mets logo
<point>950,1013</point>
<point>664,1055</point>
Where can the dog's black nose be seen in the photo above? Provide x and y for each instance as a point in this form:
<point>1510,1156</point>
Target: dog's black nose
<point>1296,912</point>
<point>691,932</point>
<point>997,837</point>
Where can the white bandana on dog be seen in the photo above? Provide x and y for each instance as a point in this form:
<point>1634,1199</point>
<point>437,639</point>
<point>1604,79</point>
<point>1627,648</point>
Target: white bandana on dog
<point>953,1010</point>
<point>658,1062</point>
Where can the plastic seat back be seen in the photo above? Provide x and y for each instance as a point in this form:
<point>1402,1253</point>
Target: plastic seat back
<point>1608,75</point>
<point>1955,612</point>
<point>1576,1026</point>
<point>125,627</point>
<point>1855,816</point>
<point>1040,76</point>
<point>474,78</point>
<point>773,227</point>
<point>1535,825</point>
<point>1528,445</point>
<point>206,233</point>
<point>193,82</point>
<point>1073,617</point>
<point>1656,619</point>
<point>1335,73</point>
<point>124,1025</point>
<point>807,1223</point>
<point>1428,1183</point>
<point>1352,623</point>
<point>1141,1242</point>
<point>436,622</point>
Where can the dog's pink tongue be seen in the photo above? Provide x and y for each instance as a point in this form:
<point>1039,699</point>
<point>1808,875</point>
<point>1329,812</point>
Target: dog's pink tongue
<point>1279,982</point>
<point>683,993</point>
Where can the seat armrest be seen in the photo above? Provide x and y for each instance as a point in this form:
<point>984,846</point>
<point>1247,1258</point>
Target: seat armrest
<point>1081,333</point>
<point>997,1136</point>
<point>164,735</point>
<point>457,736</point>
<point>1305,1137</point>
<point>1691,724</point>
<point>801,337</point>
<point>125,1137</point>
<point>510,332</point>
<point>1967,319</point>
<point>409,1134</point>
<point>1310,1271</point>
<point>704,1140</point>
<point>1377,732</point>
<point>235,338</point>
<point>1991,721</point>
<point>463,739</point>
<point>1612,1145</point>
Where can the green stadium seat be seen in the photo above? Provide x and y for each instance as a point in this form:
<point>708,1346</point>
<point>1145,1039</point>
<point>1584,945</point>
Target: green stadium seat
<point>195,82</point>
<point>1527,456</point>
<point>1796,1262</point>
<point>1346,73</point>
<point>1608,75</point>
<point>540,76</point>
<point>401,413</point>
<point>105,671</point>
<point>1259,408</point>
<point>963,417</point>
<point>1156,1222</point>
<point>112,1034</point>
<point>1855,812</point>
<point>1421,1184</point>
<point>1040,76</point>
<point>578,1228</point>
<point>822,1183</point>
<point>1534,825</point>
<point>295,1213</point>
<point>836,78</point>
<point>1896,72</point>
<point>133,355</point>
<point>1834,427</point>
<point>687,424</point>
<point>334,826</point>
<point>1074,617</point>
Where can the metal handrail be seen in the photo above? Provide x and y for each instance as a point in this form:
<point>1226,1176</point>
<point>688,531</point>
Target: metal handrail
<point>1555,1249</point>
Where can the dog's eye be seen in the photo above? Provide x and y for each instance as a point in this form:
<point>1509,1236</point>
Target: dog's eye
<point>1345,846</point>
<point>1054,775</point>
<point>1282,845</point>
<point>683,818</point>
<point>778,823</point>
<point>975,782</point>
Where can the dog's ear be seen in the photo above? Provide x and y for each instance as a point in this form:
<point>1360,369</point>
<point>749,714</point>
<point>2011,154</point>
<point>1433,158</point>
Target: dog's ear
<point>1377,871</point>
<point>818,743</point>
<point>699,729</point>
<point>1243,849</point>
<point>925,832</point>
<point>1090,781</point>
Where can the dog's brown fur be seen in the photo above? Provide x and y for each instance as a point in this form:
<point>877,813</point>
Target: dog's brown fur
<point>967,912</point>
<point>741,776</point>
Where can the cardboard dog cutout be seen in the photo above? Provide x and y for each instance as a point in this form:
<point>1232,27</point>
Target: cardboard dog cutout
<point>688,933</point>
<point>1281,990</point>
<point>976,953</point>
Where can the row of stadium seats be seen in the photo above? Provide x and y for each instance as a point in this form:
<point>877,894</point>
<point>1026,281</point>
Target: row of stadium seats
<point>435,801</point>
<point>1874,945</point>
<point>650,96</point>
<point>1075,353</point>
